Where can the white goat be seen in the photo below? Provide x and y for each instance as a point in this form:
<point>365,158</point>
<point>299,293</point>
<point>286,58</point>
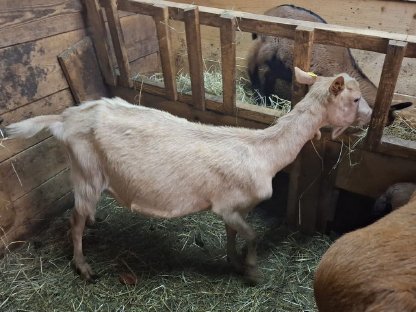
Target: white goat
<point>164,166</point>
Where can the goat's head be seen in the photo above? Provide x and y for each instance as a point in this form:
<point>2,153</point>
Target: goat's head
<point>342,98</point>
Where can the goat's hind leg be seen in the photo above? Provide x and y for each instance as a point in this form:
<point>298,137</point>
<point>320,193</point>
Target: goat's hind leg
<point>84,210</point>
<point>234,221</point>
<point>232,254</point>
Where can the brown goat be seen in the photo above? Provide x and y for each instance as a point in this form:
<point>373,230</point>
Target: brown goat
<point>371,269</point>
<point>270,61</point>
<point>160,165</point>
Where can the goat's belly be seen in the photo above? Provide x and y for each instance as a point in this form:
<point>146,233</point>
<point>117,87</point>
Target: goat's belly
<point>169,210</point>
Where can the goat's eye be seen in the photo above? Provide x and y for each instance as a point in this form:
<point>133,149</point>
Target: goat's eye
<point>357,100</point>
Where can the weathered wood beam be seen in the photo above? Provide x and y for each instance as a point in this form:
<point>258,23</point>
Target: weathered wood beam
<point>228,62</point>
<point>391,69</point>
<point>196,66</point>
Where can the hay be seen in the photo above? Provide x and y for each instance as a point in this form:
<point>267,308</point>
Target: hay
<point>180,264</point>
<point>401,128</point>
<point>213,86</point>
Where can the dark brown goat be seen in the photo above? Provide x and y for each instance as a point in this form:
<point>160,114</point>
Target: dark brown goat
<point>270,61</point>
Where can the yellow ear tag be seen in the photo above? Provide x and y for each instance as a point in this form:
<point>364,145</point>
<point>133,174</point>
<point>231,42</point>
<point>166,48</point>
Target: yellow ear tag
<point>312,74</point>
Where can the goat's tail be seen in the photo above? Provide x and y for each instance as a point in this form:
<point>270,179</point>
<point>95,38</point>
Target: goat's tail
<point>29,127</point>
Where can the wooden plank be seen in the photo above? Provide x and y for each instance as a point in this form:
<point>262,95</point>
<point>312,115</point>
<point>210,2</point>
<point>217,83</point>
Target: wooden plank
<point>82,72</point>
<point>372,14</point>
<point>141,7</point>
<point>97,28</point>
<point>391,68</point>
<point>228,62</point>
<point>397,147</point>
<point>31,71</point>
<point>196,66</point>
<point>302,55</point>
<point>303,194</point>
<point>166,55</point>
<point>24,21</point>
<point>30,168</point>
<point>118,43</point>
<point>304,187</point>
<point>139,43</point>
<point>328,194</point>
<point>370,173</point>
<point>37,208</point>
<point>146,65</point>
<point>7,212</point>
<point>53,104</point>
<point>41,28</point>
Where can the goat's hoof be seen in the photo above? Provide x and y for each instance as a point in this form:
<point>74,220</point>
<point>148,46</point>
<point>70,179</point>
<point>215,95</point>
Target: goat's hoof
<point>252,276</point>
<point>86,273</point>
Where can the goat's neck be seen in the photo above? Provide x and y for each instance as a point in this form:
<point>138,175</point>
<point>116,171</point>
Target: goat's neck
<point>368,89</point>
<point>283,141</point>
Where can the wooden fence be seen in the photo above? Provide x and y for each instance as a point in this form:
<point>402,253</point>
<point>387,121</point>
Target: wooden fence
<point>304,34</point>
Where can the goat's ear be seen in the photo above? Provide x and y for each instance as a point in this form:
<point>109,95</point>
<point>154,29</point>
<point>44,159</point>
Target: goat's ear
<point>396,107</point>
<point>304,77</point>
<point>337,86</point>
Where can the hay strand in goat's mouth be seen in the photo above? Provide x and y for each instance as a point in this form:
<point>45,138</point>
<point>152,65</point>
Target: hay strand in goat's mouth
<point>180,265</point>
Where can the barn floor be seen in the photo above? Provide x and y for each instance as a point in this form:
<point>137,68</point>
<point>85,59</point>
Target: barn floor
<point>180,265</point>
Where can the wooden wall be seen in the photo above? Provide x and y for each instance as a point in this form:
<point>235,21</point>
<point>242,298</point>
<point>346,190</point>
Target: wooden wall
<point>34,176</point>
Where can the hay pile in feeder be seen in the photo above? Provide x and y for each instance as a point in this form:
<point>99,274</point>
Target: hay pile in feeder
<point>213,86</point>
<point>180,265</point>
<point>401,128</point>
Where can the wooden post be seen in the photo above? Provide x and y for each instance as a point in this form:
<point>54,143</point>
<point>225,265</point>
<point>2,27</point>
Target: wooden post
<point>99,35</point>
<point>165,49</point>
<point>196,66</point>
<point>328,196</point>
<point>306,170</point>
<point>118,42</point>
<point>302,54</point>
<point>391,68</point>
<point>228,62</point>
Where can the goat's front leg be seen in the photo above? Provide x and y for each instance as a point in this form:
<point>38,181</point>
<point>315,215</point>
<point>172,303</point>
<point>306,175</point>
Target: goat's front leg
<point>235,222</point>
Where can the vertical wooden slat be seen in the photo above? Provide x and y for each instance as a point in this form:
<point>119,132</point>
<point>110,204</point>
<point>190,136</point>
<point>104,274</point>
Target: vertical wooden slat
<point>302,55</point>
<point>165,48</point>
<point>299,210</point>
<point>328,193</point>
<point>228,62</point>
<point>97,27</point>
<point>118,42</point>
<point>391,68</point>
<point>196,66</point>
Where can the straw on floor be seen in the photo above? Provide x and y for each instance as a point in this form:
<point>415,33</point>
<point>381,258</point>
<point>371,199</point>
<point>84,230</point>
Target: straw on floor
<point>180,265</point>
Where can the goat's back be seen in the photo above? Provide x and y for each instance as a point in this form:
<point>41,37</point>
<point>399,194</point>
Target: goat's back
<point>151,160</point>
<point>371,269</point>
